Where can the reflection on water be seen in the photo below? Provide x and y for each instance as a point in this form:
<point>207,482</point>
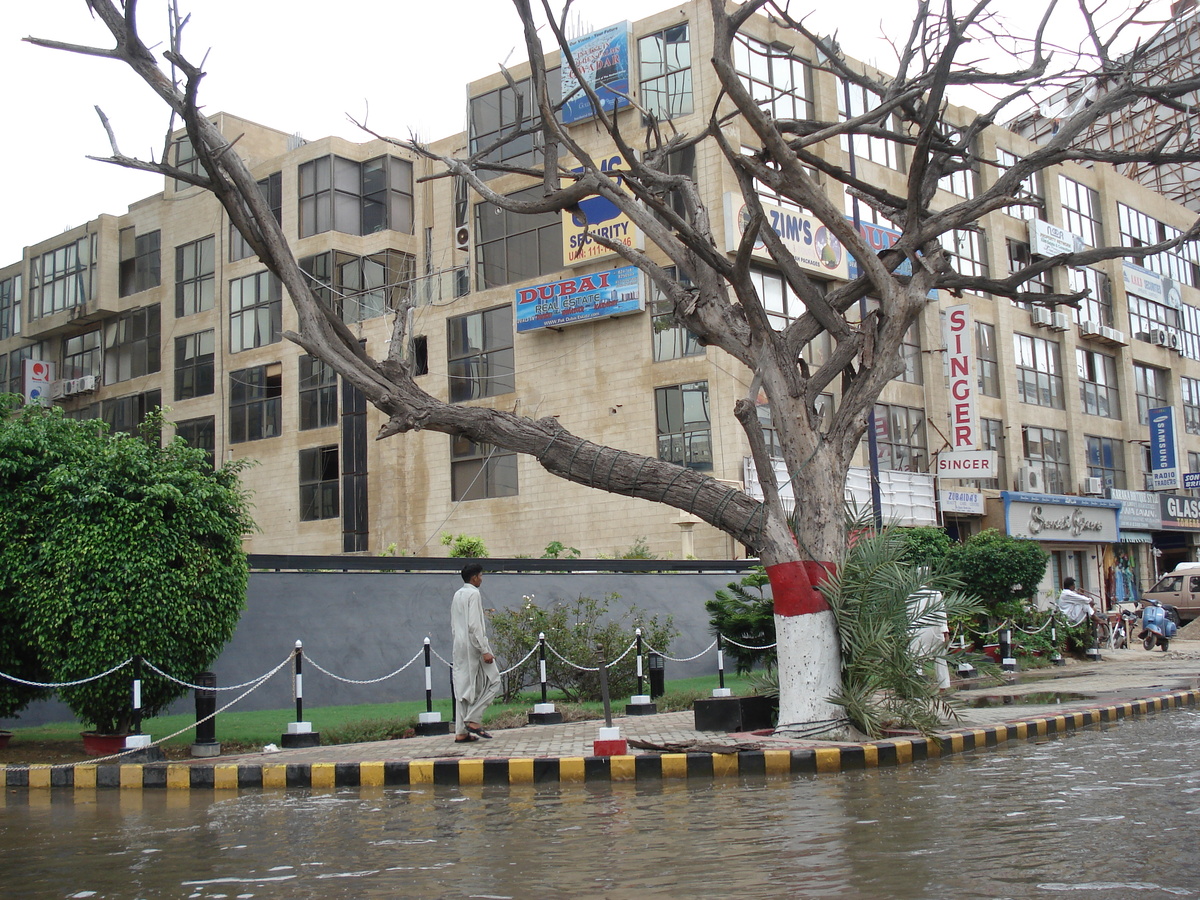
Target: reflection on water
<point>1070,815</point>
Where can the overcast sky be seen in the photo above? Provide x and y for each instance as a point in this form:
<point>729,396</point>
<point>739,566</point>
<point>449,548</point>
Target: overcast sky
<point>299,66</point>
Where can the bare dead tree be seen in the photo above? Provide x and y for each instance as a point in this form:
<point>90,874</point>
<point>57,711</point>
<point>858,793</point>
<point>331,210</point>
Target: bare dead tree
<point>712,292</point>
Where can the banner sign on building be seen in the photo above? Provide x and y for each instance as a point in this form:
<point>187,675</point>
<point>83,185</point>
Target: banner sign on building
<point>1179,513</point>
<point>967,464</point>
<point>964,424</point>
<point>603,61</point>
<point>1140,510</point>
<point>36,378</point>
<point>597,215</point>
<point>1164,450</point>
<point>811,243</point>
<point>1050,240</point>
<point>598,295</point>
<point>1151,285</point>
<point>1062,519</point>
<point>961,502</point>
<point>878,239</point>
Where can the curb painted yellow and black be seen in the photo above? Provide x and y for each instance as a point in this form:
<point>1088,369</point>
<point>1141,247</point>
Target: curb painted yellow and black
<point>553,770</point>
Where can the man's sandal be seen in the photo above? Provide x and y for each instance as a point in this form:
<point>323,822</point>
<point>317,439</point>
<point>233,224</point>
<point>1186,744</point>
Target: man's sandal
<point>465,738</point>
<point>478,731</point>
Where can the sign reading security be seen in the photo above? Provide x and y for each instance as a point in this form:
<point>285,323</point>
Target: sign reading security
<point>598,295</point>
<point>596,215</point>
<point>812,244</point>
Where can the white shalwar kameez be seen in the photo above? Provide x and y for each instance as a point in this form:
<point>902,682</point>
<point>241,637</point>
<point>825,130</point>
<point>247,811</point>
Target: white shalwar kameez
<point>476,683</point>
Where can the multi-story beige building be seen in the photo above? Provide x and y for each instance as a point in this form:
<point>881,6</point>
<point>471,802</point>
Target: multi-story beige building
<point>165,304</point>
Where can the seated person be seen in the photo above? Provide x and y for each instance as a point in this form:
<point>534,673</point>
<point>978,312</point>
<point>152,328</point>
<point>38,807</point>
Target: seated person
<point>1074,605</point>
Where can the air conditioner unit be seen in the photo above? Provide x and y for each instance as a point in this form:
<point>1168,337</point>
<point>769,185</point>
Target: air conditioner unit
<point>1159,337</point>
<point>57,390</point>
<point>1174,341</point>
<point>462,238</point>
<point>1031,480</point>
<point>1113,335</point>
<point>1060,321</point>
<point>81,385</point>
<point>1093,487</point>
<point>1039,315</point>
<point>1091,329</point>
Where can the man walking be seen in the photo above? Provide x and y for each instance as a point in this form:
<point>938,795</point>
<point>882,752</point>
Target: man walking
<point>476,675</point>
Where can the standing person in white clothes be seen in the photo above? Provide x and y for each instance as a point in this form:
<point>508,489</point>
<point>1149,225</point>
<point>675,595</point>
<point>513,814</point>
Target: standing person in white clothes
<point>476,675</point>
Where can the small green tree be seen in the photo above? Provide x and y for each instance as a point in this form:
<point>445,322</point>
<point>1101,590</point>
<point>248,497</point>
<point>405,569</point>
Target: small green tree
<point>113,546</point>
<point>576,630</point>
<point>999,569</point>
<point>746,614</point>
<point>923,545</point>
<point>464,546</point>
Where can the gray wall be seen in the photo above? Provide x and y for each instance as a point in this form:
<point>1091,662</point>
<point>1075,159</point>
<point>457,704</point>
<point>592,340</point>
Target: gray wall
<point>365,625</point>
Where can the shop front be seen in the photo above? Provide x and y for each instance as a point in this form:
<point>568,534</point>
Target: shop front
<point>1179,536</point>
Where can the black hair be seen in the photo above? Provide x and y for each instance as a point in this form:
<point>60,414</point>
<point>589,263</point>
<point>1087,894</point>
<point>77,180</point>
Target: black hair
<point>1068,582</point>
<point>470,570</point>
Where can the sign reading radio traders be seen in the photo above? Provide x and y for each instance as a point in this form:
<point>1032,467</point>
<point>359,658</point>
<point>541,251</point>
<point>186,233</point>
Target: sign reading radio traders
<point>596,216</point>
<point>597,295</point>
<point>1164,449</point>
<point>964,460</point>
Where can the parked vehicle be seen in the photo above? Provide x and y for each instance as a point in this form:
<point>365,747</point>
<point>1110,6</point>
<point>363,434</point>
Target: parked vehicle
<point>1179,588</point>
<point>1159,624</point>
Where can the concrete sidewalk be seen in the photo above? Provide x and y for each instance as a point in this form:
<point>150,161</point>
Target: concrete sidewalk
<point>1031,704</point>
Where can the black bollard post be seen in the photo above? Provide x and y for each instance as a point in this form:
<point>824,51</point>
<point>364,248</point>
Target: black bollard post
<point>609,742</point>
<point>640,703</point>
<point>206,744</point>
<point>720,690</point>
<point>430,722</point>
<point>136,740</point>
<point>1007,661</point>
<point>544,713</point>
<point>137,694</point>
<point>299,733</point>
<point>1055,656</point>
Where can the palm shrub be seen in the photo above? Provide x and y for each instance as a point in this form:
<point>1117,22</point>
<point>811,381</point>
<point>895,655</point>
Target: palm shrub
<point>745,612</point>
<point>579,630</point>
<point>886,679</point>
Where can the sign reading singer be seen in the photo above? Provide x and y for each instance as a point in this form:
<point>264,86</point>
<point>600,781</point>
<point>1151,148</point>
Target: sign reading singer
<point>597,295</point>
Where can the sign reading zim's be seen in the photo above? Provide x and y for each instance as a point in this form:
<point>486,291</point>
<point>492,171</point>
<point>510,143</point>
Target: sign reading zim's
<point>597,295</point>
<point>602,58</point>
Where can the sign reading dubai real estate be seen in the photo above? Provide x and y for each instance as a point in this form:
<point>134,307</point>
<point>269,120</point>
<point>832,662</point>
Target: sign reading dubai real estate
<point>596,215</point>
<point>811,243</point>
<point>1164,449</point>
<point>597,295</point>
<point>602,59</point>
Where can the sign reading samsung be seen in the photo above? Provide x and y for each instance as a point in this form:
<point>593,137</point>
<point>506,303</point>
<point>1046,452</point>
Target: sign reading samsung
<point>602,58</point>
<point>597,295</point>
<point>1164,455</point>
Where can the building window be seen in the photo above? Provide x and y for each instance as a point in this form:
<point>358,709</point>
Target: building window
<point>255,311</point>
<point>271,188</point>
<point>200,433</point>
<point>1141,230</point>
<point>141,266</point>
<point>1030,189</point>
<point>10,306</point>
<point>480,354</point>
<point>1045,449</point>
<point>1080,210</point>
<point>16,363</point>
<point>319,483</point>
<point>1189,394</point>
<point>186,160</point>
<point>513,246</point>
<point>62,278</point>
<point>195,265</point>
<point>987,359</point>
<point>361,287</point>
<point>1194,466</point>
<point>1146,317</point>
<point>1019,258</point>
<point>910,354</point>
<point>666,72</point>
<point>966,252</point>
<point>991,434</point>
<point>684,425</point>
<point>900,438</point>
<point>1039,371</point>
<point>883,151</point>
<point>961,182</point>
<point>131,345</point>
<point>671,340</point>
<point>781,84</point>
<point>504,122</point>
<point>318,394</point>
<point>1097,305</point>
<point>194,365</point>
<point>126,414</point>
<point>1098,394</point>
<point>254,399</point>
<point>1106,459</point>
<point>480,471</point>
<point>81,355</point>
<point>338,194</point>
<point>783,306</point>
<point>1150,388</point>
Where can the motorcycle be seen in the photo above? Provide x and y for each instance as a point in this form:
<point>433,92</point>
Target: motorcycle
<point>1159,624</point>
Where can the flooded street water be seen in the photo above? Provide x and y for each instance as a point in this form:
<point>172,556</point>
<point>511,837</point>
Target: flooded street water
<point>1110,813</point>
